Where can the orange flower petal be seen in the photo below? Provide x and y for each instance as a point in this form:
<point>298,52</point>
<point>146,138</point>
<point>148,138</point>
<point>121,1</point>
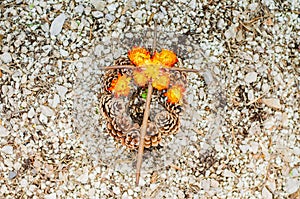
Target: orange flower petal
<point>138,55</point>
<point>121,86</point>
<point>161,82</point>
<point>140,78</point>
<point>167,58</point>
<point>175,94</point>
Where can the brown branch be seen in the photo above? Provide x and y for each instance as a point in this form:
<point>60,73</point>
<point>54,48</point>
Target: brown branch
<point>133,67</point>
<point>184,69</point>
<point>118,67</point>
<point>143,134</point>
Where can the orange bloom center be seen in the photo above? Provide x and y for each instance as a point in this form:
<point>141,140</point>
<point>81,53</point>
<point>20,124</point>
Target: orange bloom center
<point>161,82</point>
<point>120,86</point>
<point>138,55</point>
<point>150,68</point>
<point>140,77</point>
<point>175,94</point>
<point>166,57</point>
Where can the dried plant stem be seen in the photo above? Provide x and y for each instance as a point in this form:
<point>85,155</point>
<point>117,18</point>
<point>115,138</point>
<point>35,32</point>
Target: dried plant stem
<point>134,67</point>
<point>143,134</point>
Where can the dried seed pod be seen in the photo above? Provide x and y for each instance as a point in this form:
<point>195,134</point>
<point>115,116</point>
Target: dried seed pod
<point>132,138</point>
<point>167,123</point>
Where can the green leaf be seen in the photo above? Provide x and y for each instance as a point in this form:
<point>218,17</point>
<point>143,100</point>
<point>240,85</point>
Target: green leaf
<point>31,6</point>
<point>144,94</point>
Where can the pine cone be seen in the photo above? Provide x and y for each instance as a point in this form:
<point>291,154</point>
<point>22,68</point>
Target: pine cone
<point>153,136</point>
<point>136,107</point>
<point>122,61</point>
<point>113,74</point>
<point>167,123</point>
<point>159,97</point>
<point>132,139</point>
<point>115,131</point>
<point>105,105</point>
<point>107,80</point>
<point>173,108</point>
<point>117,107</point>
<point>178,77</point>
<point>123,123</point>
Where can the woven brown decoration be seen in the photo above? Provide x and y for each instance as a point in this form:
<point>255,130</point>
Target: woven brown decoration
<point>124,115</point>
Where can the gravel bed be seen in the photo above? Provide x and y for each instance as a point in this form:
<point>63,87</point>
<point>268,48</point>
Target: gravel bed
<point>239,135</point>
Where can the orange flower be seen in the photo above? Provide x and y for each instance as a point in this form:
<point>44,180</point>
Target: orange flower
<point>166,57</point>
<point>120,86</point>
<point>161,82</point>
<point>140,77</point>
<point>175,94</point>
<point>138,55</point>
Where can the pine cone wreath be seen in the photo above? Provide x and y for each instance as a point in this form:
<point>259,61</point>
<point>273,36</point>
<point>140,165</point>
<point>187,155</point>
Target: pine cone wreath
<point>124,116</point>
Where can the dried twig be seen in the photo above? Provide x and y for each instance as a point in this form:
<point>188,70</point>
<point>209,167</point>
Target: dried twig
<point>134,67</point>
<point>143,133</point>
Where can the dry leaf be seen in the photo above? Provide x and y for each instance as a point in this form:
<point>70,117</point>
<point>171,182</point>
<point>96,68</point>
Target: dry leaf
<point>272,102</point>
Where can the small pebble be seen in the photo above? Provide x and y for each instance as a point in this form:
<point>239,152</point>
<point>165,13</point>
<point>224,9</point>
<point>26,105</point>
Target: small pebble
<point>228,173</point>
<point>251,77</point>
<point>57,24</point>
<point>97,14</point>
<point>292,185</point>
<point>47,111</point>
<point>266,193</point>
<point>61,91</point>
<point>116,190</point>
<point>11,175</point>
<point>31,113</point>
<point>50,196</point>
<point>3,131</point>
<point>8,149</point>
<point>79,9</point>
<point>6,57</point>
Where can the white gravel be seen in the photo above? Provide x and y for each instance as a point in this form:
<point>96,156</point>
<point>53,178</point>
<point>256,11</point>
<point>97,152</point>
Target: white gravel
<point>240,129</point>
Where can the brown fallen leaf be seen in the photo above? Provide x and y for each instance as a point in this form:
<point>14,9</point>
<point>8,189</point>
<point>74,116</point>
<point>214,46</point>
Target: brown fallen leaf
<point>272,102</point>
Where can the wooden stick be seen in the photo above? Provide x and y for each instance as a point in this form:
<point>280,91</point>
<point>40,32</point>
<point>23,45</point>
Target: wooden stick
<point>133,67</point>
<point>143,134</point>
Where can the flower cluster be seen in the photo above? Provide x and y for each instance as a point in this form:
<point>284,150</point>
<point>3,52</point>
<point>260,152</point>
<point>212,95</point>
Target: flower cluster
<point>149,69</point>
